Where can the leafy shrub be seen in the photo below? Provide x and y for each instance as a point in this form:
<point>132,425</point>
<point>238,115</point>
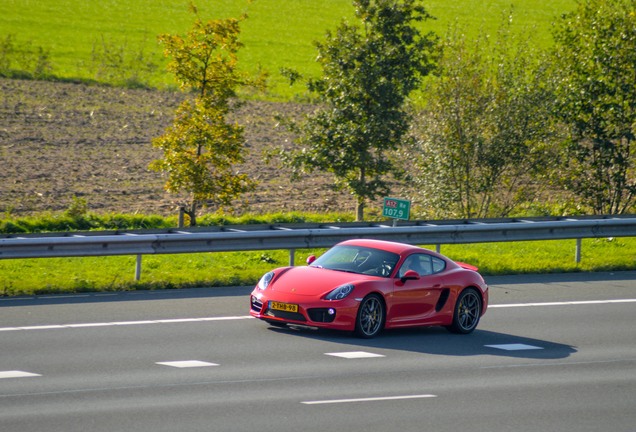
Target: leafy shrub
<point>78,218</point>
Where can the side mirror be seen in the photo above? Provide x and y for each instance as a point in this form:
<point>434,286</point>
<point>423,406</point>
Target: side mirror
<point>410,275</point>
<point>310,259</point>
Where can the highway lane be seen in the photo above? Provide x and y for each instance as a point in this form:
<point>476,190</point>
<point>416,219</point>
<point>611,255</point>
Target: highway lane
<point>103,363</point>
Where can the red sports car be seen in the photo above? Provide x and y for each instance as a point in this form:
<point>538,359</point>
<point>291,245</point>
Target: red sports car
<point>368,285</point>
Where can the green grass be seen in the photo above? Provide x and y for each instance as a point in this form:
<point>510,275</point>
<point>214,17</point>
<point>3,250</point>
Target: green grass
<point>278,33</point>
<point>68,275</point>
<point>553,256</point>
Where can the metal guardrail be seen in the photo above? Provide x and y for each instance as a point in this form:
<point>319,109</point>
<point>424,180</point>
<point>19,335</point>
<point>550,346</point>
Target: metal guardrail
<point>299,236</point>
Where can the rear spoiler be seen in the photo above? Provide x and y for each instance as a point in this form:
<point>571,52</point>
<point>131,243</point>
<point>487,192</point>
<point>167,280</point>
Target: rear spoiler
<point>466,266</point>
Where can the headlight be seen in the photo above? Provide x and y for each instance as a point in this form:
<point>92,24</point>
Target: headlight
<point>265,280</point>
<point>340,292</point>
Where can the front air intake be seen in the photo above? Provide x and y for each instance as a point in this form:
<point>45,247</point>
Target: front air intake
<point>323,315</point>
<point>257,305</point>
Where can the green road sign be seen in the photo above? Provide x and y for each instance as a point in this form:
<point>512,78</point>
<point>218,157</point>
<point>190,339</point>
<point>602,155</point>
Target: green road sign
<point>396,208</point>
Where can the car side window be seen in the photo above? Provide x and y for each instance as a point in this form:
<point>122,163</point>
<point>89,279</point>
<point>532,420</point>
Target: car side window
<point>420,263</point>
<point>438,264</point>
<point>423,264</point>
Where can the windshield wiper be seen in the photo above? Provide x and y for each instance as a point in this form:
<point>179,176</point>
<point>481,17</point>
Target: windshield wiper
<point>344,270</point>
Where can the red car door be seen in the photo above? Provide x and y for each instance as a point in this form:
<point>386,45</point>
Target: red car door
<point>414,300</point>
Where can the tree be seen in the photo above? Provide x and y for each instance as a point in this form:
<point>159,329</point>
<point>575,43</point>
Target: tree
<point>368,71</point>
<point>480,132</point>
<point>202,148</point>
<point>595,88</point>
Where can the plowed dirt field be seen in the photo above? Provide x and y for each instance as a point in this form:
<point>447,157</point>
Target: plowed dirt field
<point>62,140</point>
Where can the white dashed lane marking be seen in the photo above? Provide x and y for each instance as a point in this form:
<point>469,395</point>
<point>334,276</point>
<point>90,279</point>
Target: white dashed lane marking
<point>514,347</point>
<point>354,355</point>
<point>17,374</point>
<point>187,364</point>
<point>371,399</point>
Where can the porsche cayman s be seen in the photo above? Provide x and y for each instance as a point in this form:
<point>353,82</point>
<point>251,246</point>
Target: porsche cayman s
<point>366,286</point>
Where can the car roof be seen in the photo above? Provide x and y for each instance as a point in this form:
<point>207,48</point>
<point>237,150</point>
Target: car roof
<point>389,246</point>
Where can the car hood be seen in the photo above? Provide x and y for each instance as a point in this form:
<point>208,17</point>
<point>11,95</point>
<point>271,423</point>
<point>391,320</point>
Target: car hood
<point>313,281</point>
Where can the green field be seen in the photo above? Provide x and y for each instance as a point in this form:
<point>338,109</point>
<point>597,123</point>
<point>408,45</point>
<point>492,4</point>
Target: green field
<point>278,33</point>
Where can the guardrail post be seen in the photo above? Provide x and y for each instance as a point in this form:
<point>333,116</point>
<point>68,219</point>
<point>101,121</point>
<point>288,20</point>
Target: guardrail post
<point>438,248</point>
<point>292,253</point>
<point>138,268</point>
<point>181,216</point>
<point>577,254</point>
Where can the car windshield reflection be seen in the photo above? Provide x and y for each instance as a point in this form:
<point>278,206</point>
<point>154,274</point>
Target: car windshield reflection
<point>356,259</point>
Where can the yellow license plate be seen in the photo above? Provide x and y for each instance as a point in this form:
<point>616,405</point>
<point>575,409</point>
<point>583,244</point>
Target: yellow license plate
<point>287,307</point>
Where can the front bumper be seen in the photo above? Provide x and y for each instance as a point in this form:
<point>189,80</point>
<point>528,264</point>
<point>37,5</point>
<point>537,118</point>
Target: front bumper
<point>338,315</point>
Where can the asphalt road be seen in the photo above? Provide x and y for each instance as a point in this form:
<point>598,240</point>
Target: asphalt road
<point>553,353</point>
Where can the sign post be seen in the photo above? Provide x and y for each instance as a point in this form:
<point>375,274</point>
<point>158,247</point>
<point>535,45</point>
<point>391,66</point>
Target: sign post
<point>396,209</point>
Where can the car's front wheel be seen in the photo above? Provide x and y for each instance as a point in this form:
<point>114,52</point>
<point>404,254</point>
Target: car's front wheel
<point>467,312</point>
<point>370,318</point>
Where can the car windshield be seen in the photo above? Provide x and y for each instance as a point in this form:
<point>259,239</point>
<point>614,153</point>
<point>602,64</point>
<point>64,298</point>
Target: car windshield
<point>358,259</point>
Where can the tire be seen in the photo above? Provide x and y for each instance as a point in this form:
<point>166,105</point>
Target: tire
<point>467,312</point>
<point>370,317</point>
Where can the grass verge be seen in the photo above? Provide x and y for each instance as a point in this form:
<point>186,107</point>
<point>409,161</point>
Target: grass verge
<point>95,274</point>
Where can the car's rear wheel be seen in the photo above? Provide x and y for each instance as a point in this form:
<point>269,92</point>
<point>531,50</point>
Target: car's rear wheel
<point>370,318</point>
<point>467,312</point>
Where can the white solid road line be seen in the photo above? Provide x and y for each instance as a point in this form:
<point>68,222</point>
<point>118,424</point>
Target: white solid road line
<point>243,317</point>
<point>562,303</point>
<point>126,323</point>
